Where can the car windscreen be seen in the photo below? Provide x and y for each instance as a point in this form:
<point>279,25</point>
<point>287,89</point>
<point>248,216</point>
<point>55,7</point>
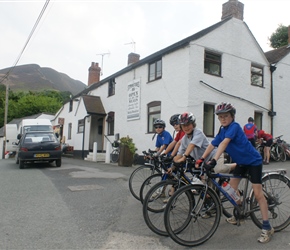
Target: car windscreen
<point>37,128</point>
<point>39,137</point>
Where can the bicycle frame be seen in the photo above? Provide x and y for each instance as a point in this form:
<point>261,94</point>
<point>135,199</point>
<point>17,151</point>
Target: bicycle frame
<point>243,210</point>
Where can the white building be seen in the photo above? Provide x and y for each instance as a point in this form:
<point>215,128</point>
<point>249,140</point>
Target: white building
<point>223,62</point>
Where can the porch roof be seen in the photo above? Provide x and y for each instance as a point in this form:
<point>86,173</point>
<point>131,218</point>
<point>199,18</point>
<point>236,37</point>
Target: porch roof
<point>94,105</point>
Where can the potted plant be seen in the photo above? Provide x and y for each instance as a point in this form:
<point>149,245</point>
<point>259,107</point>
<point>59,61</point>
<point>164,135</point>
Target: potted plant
<point>127,151</point>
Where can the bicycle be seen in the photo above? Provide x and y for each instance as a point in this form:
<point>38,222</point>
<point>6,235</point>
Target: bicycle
<point>183,215</point>
<point>164,163</point>
<point>285,149</point>
<point>114,156</point>
<point>155,200</point>
<point>140,174</point>
<point>276,149</point>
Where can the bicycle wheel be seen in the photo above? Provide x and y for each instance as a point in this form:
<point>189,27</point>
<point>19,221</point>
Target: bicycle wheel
<point>148,184</point>
<point>115,155</point>
<point>261,150</point>
<point>138,176</point>
<point>192,215</point>
<point>154,205</point>
<point>274,152</point>
<point>282,152</point>
<point>276,188</point>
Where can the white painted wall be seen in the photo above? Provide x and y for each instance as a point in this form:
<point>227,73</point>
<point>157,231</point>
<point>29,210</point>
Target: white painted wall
<point>180,89</point>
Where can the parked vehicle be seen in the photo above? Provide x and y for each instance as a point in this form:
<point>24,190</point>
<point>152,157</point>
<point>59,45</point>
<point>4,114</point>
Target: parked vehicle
<point>27,125</point>
<point>37,147</point>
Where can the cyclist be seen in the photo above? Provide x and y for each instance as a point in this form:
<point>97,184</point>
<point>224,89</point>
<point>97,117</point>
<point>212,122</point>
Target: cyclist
<point>174,121</point>
<point>164,138</point>
<point>266,141</point>
<point>250,130</point>
<point>231,138</point>
<point>195,142</point>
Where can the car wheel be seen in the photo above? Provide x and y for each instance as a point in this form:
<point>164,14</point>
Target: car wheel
<point>58,163</point>
<point>21,164</point>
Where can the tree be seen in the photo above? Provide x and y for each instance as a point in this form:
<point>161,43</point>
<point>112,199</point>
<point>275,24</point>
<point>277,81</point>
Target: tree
<point>23,104</point>
<point>279,38</point>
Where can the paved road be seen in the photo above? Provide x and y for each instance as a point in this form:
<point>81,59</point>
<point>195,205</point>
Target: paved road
<point>85,205</point>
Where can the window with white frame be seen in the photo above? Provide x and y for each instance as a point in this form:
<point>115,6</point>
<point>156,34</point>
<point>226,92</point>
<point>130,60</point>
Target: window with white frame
<point>208,119</point>
<point>154,113</point>
<point>81,126</point>
<point>212,63</point>
<point>69,131</point>
<point>155,70</point>
<point>257,76</point>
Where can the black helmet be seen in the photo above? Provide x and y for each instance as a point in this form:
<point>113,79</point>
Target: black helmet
<point>225,107</point>
<point>159,122</point>
<point>174,119</point>
<point>251,119</point>
<point>186,118</point>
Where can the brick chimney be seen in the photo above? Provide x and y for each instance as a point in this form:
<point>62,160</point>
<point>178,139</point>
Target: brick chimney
<point>233,8</point>
<point>133,58</point>
<point>94,73</point>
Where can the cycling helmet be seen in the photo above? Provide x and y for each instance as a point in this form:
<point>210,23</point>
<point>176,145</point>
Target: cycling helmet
<point>174,120</point>
<point>251,119</point>
<point>159,122</point>
<point>225,107</point>
<point>186,118</point>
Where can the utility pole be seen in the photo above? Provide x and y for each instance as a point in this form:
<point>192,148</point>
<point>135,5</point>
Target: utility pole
<point>5,115</point>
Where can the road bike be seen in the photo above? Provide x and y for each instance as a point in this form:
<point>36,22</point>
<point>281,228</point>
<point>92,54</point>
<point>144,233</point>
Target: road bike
<point>184,213</point>
<point>140,174</point>
<point>276,150</point>
<point>157,196</point>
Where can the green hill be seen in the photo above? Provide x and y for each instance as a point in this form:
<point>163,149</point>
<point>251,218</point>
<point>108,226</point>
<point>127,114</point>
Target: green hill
<point>33,77</point>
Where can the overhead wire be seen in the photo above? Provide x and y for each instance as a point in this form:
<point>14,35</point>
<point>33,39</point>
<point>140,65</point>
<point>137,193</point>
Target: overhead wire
<point>26,43</point>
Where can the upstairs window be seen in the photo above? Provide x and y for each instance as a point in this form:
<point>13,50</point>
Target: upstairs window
<point>155,70</point>
<point>257,76</point>
<point>212,63</point>
<point>154,113</point>
<point>111,122</point>
<point>111,90</point>
<point>208,120</point>
<point>70,106</point>
<point>81,125</point>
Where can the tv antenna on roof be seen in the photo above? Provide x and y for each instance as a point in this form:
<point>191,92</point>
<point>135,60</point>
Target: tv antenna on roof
<point>133,45</point>
<point>102,55</point>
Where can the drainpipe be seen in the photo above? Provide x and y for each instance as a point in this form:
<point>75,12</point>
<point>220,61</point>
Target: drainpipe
<point>272,113</point>
<point>83,153</point>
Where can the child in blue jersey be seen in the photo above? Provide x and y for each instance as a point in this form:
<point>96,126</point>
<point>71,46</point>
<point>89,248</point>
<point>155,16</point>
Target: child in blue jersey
<point>232,139</point>
<point>163,139</point>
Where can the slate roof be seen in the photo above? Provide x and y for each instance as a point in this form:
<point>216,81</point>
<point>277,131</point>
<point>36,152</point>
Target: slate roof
<point>277,55</point>
<point>94,105</point>
<point>154,56</point>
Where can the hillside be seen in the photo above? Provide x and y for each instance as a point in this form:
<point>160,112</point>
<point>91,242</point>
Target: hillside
<point>33,77</point>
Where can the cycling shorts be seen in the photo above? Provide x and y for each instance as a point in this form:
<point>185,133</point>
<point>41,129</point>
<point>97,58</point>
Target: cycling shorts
<point>255,172</point>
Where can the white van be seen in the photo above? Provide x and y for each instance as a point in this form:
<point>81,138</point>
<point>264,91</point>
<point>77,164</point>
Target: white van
<point>11,137</point>
<point>27,125</point>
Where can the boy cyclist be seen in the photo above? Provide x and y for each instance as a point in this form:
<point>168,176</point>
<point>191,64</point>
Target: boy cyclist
<point>174,145</point>
<point>232,138</point>
<point>164,138</point>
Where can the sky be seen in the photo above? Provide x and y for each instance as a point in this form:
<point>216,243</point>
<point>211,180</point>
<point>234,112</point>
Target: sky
<point>73,34</point>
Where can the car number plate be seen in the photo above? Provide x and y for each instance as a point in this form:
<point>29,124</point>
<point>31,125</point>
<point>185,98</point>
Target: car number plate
<point>41,155</point>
